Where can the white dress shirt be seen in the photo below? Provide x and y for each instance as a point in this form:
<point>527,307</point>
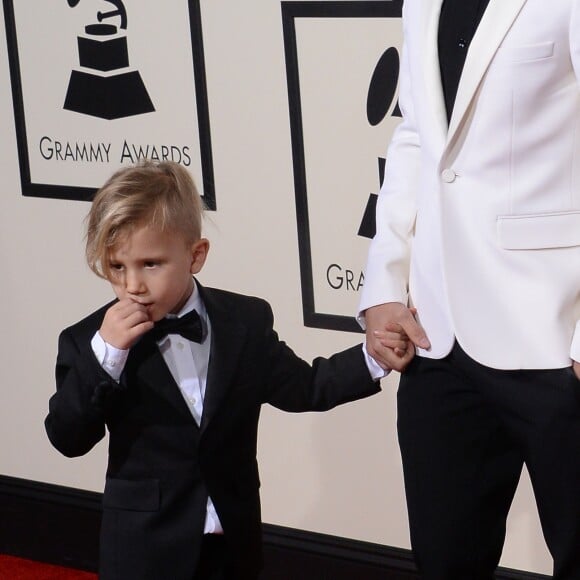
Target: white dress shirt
<point>187,362</point>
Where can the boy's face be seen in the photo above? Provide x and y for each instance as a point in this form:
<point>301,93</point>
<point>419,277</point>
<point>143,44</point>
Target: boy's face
<point>155,268</point>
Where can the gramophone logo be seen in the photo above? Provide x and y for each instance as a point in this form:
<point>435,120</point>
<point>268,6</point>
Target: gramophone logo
<point>106,87</point>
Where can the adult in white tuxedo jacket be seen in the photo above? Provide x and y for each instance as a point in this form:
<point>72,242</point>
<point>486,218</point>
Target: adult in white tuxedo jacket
<point>478,228</point>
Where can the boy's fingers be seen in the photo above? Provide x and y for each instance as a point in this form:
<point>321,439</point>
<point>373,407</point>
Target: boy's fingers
<point>132,307</point>
<point>140,329</point>
<point>394,343</point>
<point>405,357</point>
<point>396,322</point>
<point>122,311</point>
<point>389,335</point>
<point>400,352</point>
<point>136,317</point>
<point>396,355</point>
<point>397,341</point>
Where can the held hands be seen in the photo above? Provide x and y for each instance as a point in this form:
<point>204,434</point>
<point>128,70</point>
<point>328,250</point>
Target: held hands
<point>124,323</point>
<point>576,369</point>
<point>392,334</point>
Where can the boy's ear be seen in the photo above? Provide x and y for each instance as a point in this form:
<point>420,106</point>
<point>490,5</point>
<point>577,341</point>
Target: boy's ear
<point>199,252</point>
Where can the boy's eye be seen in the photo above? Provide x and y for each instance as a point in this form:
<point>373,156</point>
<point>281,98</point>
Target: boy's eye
<point>150,264</point>
<point>115,267</point>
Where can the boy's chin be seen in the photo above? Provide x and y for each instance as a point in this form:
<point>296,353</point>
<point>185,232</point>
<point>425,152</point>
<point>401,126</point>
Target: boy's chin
<point>157,316</point>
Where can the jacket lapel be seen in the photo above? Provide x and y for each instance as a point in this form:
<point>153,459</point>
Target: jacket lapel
<point>432,72</point>
<point>152,370</point>
<point>227,340</point>
<point>497,20</point>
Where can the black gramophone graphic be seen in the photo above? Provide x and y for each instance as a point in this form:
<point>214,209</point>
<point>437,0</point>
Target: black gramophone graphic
<point>381,95</point>
<point>107,88</point>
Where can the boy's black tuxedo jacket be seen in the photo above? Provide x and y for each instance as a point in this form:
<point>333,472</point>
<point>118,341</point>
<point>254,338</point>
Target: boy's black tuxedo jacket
<point>161,465</point>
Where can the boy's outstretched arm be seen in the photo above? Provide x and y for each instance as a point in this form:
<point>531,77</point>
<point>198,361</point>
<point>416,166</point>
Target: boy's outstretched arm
<point>294,385</point>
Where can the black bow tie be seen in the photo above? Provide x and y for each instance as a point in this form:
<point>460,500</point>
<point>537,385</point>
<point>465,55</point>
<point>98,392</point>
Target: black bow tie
<point>189,326</point>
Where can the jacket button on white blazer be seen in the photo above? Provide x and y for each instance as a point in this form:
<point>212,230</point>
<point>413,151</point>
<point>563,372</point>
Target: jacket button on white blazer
<point>448,175</point>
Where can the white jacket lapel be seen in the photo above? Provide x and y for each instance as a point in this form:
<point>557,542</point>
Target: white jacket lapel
<point>432,72</point>
<point>496,21</point>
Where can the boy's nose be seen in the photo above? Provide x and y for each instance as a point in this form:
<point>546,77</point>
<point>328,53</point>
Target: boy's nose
<point>134,283</point>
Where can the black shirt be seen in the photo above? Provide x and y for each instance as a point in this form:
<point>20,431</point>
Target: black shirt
<point>457,25</point>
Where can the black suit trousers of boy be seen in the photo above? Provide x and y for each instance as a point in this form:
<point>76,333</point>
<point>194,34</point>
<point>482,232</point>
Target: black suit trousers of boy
<point>214,561</point>
<point>465,431</point>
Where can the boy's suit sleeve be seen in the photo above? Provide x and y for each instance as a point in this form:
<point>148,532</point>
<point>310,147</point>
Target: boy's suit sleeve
<point>76,417</point>
<point>294,385</point>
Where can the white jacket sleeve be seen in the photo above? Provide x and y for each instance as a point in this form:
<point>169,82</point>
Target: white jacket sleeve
<point>575,55</point>
<point>387,269</point>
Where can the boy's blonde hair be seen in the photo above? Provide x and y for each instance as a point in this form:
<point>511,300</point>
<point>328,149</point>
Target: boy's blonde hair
<point>158,194</point>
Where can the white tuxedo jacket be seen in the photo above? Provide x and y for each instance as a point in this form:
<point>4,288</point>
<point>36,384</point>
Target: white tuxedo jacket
<point>478,220</point>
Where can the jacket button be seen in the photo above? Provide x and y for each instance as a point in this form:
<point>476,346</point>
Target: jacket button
<point>448,175</point>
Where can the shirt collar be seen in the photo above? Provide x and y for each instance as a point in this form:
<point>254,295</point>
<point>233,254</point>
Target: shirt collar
<point>194,302</point>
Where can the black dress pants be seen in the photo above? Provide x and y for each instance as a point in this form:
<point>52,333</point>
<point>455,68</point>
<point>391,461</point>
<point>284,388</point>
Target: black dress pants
<point>465,431</point>
<point>214,563</point>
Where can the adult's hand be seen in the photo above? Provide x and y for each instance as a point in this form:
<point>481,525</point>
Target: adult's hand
<point>576,368</point>
<point>392,334</point>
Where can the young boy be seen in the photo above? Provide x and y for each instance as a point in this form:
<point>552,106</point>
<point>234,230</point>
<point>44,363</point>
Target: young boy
<point>181,495</point>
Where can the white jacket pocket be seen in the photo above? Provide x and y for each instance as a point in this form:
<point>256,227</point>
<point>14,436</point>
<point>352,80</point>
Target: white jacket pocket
<point>539,231</point>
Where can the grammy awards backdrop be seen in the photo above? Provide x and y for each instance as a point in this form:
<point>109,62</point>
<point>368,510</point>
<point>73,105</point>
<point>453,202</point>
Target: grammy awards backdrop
<point>98,84</point>
<point>282,112</point>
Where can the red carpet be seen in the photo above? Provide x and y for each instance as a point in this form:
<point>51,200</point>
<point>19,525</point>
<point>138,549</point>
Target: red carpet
<point>12,568</point>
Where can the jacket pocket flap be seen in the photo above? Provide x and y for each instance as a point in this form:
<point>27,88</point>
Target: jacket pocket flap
<point>538,231</point>
<point>528,52</point>
<point>125,494</point>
